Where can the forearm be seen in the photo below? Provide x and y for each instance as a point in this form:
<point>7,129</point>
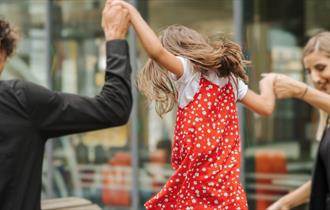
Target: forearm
<point>262,104</point>
<point>317,99</point>
<point>147,37</point>
<point>268,98</point>
<point>112,34</point>
<point>117,87</point>
<point>57,114</point>
<point>115,21</point>
<point>286,87</point>
<point>297,197</point>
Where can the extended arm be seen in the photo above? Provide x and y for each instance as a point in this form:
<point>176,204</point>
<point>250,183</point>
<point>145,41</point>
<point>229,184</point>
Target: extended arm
<point>56,114</point>
<point>293,199</point>
<point>150,41</point>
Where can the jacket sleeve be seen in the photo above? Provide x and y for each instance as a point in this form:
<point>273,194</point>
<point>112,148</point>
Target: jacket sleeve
<point>55,114</point>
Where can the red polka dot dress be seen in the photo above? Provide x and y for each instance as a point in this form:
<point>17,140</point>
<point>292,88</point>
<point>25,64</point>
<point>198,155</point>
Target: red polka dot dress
<point>206,154</point>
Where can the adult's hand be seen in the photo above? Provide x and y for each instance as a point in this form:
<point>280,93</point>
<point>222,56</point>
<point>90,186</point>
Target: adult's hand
<point>286,87</point>
<point>115,21</point>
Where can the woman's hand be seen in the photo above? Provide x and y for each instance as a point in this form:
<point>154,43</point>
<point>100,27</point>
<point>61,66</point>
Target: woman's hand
<point>286,87</point>
<point>267,80</point>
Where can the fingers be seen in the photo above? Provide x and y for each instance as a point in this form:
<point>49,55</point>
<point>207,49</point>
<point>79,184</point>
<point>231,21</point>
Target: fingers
<point>115,22</point>
<point>118,2</point>
<point>268,74</point>
<point>107,5</point>
<point>108,2</point>
<point>122,4</point>
<point>264,74</point>
<point>281,93</point>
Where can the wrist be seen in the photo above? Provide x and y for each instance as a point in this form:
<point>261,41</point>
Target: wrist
<point>304,93</point>
<point>113,34</point>
<point>301,90</point>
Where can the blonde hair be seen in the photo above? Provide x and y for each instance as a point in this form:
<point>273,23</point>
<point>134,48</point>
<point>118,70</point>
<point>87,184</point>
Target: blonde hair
<point>319,43</point>
<point>220,55</point>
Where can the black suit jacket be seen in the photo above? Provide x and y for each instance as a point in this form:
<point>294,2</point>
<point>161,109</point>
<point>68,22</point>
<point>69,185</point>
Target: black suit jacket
<point>30,114</point>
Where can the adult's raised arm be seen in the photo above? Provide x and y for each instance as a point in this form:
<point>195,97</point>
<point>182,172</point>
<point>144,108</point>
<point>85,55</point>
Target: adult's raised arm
<point>55,113</point>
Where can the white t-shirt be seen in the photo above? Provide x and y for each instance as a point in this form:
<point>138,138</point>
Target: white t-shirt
<point>188,84</point>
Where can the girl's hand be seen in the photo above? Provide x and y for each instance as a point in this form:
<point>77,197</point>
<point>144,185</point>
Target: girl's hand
<point>267,84</point>
<point>268,79</point>
<point>133,13</point>
<point>115,21</point>
<point>123,4</point>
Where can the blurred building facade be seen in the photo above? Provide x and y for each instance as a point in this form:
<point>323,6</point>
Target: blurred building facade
<point>62,47</point>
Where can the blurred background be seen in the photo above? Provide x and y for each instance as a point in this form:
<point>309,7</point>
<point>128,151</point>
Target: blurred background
<point>62,47</point>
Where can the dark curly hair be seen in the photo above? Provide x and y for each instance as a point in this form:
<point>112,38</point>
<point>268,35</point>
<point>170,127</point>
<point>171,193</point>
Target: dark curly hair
<point>8,38</point>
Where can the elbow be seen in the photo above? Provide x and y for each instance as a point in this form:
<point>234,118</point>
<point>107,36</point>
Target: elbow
<point>126,116</point>
<point>118,111</point>
<point>125,112</point>
<point>123,119</point>
<point>266,111</point>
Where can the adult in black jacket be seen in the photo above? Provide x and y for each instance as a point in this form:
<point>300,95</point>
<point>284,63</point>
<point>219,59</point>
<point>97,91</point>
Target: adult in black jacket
<point>31,114</point>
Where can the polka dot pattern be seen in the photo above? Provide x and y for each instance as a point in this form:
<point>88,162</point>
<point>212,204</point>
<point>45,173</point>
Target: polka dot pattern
<point>205,155</point>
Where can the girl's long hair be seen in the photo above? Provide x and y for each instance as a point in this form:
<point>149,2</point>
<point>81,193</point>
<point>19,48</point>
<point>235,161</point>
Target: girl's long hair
<point>319,43</point>
<point>220,55</point>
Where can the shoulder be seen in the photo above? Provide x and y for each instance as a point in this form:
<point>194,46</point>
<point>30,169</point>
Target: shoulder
<point>187,70</point>
<point>13,91</point>
<point>240,88</point>
<point>188,84</point>
<point>23,90</point>
<point>12,85</point>
<point>24,86</point>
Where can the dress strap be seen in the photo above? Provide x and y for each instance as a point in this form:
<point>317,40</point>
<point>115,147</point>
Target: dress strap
<point>235,81</point>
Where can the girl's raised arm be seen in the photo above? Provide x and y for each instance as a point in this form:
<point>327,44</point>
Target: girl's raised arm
<point>150,41</point>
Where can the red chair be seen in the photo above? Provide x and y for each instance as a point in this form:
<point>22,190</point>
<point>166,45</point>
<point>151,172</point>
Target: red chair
<point>116,184</point>
<point>267,163</point>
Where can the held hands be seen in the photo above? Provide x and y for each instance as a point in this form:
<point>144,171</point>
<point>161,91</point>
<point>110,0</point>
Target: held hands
<point>267,80</point>
<point>122,3</point>
<point>115,21</point>
<point>285,87</point>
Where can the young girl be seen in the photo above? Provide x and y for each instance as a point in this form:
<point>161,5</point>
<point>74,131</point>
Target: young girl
<point>205,79</point>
